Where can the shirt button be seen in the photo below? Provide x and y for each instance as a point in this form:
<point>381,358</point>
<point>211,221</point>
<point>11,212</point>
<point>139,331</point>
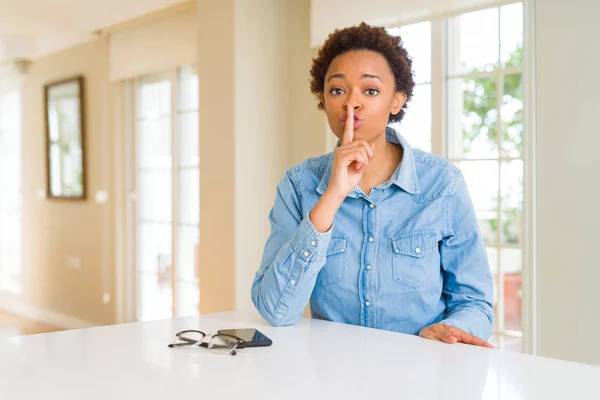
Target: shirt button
<point>369,267</point>
<point>418,250</point>
<point>371,239</point>
<point>367,303</point>
<point>372,205</point>
<point>314,243</point>
<point>292,282</point>
<point>260,271</point>
<point>306,254</point>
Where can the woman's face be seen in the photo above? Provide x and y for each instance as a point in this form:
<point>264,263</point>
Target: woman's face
<point>363,79</point>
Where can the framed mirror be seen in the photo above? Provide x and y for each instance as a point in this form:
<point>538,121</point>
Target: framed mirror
<point>65,139</point>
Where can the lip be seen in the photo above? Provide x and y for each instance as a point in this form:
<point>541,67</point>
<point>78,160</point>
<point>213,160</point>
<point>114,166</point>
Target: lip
<point>357,121</point>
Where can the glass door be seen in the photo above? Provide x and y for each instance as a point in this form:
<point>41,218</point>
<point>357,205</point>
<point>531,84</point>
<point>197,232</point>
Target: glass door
<point>10,185</point>
<point>167,194</point>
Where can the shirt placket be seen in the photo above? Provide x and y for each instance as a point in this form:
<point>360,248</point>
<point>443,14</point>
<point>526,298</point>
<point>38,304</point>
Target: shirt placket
<point>367,289</point>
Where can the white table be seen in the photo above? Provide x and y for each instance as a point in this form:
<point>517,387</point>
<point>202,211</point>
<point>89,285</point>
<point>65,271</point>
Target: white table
<point>311,360</point>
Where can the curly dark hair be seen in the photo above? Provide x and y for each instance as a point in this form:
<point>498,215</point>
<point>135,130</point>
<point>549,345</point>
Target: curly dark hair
<point>365,37</point>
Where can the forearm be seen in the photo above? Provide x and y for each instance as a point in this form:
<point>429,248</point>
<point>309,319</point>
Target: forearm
<point>323,213</point>
<point>282,289</point>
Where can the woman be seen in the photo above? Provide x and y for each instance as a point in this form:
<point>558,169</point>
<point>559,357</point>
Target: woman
<point>374,234</point>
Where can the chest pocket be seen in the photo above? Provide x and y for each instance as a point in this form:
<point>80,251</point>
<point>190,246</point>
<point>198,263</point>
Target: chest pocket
<point>335,266</point>
<point>416,258</point>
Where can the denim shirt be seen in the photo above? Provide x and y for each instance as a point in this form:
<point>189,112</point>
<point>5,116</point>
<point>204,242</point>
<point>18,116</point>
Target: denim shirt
<point>408,255</point>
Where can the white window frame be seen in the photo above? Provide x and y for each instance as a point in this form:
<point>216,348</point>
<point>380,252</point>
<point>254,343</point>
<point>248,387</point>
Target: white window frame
<point>439,146</point>
<point>128,309</point>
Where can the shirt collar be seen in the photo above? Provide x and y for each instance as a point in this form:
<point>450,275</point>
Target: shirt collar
<point>405,175</point>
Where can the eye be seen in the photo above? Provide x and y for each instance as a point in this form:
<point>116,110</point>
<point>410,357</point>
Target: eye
<point>336,91</point>
<point>372,92</point>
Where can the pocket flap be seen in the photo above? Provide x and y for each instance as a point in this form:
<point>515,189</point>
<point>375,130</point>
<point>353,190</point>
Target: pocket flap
<point>415,244</point>
<point>336,245</point>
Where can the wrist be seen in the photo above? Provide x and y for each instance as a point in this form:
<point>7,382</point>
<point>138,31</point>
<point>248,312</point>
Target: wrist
<point>332,197</point>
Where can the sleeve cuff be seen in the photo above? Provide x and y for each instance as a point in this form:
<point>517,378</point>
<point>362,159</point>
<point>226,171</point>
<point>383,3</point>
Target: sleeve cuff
<point>309,243</point>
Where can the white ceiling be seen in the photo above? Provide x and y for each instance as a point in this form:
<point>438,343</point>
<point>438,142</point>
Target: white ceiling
<point>34,28</point>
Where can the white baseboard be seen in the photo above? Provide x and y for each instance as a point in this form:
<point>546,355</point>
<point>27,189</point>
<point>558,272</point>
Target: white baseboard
<point>13,304</point>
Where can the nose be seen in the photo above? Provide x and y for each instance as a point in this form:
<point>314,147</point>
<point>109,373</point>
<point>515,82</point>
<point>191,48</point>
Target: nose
<point>356,107</point>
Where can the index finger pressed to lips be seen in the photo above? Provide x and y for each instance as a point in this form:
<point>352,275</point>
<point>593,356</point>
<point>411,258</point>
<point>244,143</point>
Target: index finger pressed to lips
<point>348,136</point>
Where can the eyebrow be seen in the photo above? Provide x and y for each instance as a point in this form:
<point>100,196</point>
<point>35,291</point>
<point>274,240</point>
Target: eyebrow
<point>363,76</point>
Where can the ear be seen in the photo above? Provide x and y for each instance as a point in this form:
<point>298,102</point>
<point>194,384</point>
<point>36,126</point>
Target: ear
<point>397,102</point>
<point>322,98</point>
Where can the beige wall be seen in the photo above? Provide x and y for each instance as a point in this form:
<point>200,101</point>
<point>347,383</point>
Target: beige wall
<point>154,45</point>
<point>306,123</point>
<point>263,90</point>
<point>262,150</point>
<point>53,229</point>
<point>216,75</point>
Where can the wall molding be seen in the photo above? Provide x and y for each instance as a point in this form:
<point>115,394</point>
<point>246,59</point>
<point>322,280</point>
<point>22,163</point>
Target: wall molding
<point>14,304</point>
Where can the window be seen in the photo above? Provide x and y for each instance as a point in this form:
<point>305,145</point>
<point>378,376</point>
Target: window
<point>416,124</point>
<point>480,122</point>
<point>10,184</point>
<point>168,192</point>
<point>484,108</point>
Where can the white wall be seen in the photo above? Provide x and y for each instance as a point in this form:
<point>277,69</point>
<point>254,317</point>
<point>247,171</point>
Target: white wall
<point>568,161</point>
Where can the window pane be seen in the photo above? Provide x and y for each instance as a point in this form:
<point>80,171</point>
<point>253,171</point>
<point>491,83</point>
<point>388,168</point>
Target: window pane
<point>416,39</point>
<point>154,97</point>
<point>155,299</point>
<point>154,143</point>
<point>492,254</point>
<point>188,139</point>
<point>155,195</point>
<point>473,43</point>
<point>512,116</point>
<point>472,117</point>
<point>512,266</point>
<point>482,181</point>
<point>511,260</point>
<point>512,201</point>
<point>186,252</point>
<point>188,88</point>
<point>154,244</point>
<point>511,34</point>
<point>416,125</point>
<point>188,299</point>
<point>189,196</point>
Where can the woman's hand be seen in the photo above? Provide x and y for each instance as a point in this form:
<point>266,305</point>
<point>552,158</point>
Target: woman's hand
<point>450,334</point>
<point>350,160</point>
